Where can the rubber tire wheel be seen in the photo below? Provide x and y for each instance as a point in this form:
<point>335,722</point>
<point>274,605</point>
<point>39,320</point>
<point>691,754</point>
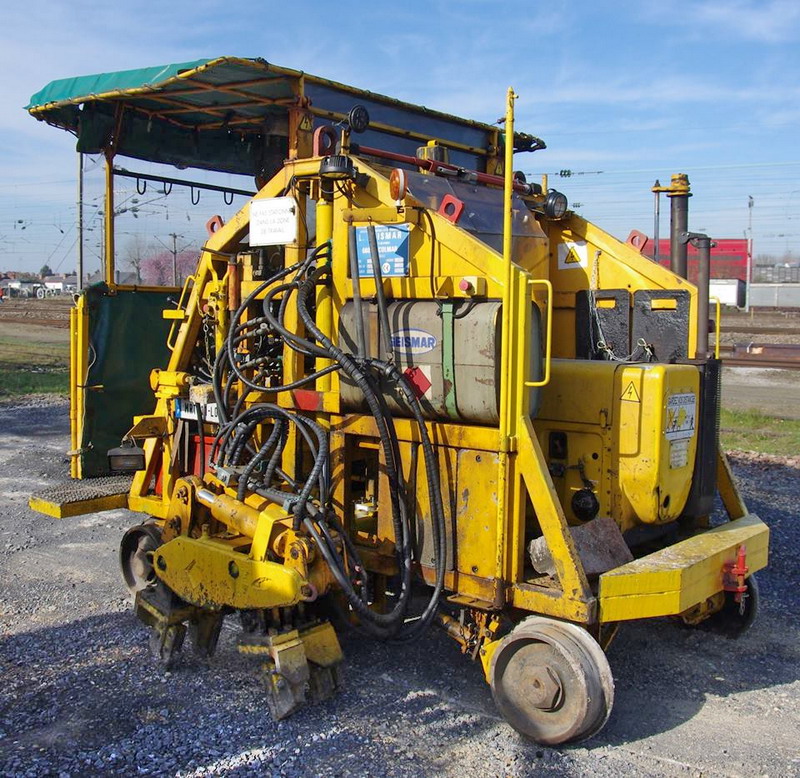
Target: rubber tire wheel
<point>571,657</point>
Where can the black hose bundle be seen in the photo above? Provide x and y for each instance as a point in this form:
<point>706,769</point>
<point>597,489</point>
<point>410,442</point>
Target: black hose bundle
<point>360,374</point>
<point>309,500</point>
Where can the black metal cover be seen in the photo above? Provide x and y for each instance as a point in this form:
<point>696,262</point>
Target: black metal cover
<point>595,323</point>
<point>704,477</point>
<point>664,329</point>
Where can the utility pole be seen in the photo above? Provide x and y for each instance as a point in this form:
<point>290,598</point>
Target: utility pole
<point>749,273</point>
<point>174,258</point>
<point>174,251</point>
<point>79,269</point>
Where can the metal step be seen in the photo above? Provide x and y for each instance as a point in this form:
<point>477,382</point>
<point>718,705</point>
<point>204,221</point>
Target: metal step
<point>80,497</point>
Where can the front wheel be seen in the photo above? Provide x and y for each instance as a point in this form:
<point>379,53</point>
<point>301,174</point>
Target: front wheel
<point>136,556</point>
<point>551,681</point>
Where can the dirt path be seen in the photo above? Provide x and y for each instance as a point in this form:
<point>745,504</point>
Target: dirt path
<point>773,392</point>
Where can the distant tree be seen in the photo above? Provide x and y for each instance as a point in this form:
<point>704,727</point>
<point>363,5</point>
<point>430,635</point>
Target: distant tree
<point>156,269</point>
<point>187,262</point>
<point>45,271</point>
<point>136,251</point>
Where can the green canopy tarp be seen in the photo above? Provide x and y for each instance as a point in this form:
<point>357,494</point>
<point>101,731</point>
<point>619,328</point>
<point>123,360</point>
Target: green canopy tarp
<point>232,114</point>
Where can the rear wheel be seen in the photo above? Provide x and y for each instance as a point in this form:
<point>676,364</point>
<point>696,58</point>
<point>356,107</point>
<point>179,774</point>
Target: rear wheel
<point>551,681</point>
<point>735,618</point>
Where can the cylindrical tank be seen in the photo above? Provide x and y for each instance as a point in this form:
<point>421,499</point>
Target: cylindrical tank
<point>449,352</point>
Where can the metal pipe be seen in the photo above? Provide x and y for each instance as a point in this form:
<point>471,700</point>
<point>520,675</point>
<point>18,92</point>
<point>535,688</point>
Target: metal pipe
<point>506,392</point>
<point>324,297</point>
<point>679,195</point>
<point>109,221</point>
<point>234,285</point>
<point>355,277</point>
<point>435,166</point>
<point>703,245</point>
<point>383,311</point>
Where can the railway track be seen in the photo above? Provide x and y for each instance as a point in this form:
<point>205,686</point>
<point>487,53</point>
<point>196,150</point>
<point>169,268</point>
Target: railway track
<point>780,356</point>
<point>51,312</point>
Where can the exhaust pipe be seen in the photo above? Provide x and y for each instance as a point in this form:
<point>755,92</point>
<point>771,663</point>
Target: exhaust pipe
<point>679,195</point>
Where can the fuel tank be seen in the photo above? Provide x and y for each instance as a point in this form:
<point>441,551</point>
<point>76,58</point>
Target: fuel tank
<point>449,351</point>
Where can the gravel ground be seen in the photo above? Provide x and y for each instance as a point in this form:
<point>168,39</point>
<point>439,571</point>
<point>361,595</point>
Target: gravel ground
<point>80,696</point>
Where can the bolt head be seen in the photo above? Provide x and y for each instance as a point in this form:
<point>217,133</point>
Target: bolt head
<point>545,688</point>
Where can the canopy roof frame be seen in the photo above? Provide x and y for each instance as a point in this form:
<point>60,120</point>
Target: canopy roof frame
<point>243,116</point>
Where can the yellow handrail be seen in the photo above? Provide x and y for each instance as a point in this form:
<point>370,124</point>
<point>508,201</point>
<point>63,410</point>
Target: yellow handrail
<point>508,307</point>
<point>181,306</point>
<point>718,305</point>
<point>548,348</point>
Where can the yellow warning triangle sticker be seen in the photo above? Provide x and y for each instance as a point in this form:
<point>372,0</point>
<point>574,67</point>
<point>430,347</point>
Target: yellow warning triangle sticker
<point>630,394</point>
<point>572,257</point>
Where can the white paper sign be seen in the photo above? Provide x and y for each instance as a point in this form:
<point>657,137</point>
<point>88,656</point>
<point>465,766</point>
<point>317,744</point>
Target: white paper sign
<point>273,221</point>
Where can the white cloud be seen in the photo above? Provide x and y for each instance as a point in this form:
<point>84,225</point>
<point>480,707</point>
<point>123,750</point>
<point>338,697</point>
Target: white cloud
<point>773,21</point>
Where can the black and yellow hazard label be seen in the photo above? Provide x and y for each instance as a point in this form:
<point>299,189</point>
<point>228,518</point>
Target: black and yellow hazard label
<point>631,393</point>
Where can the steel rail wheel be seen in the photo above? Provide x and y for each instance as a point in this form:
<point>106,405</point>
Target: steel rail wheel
<point>136,556</point>
<point>734,619</point>
<point>596,665</point>
<point>551,681</point>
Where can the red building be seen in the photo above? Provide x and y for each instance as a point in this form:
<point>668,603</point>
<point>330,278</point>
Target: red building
<point>728,258</point>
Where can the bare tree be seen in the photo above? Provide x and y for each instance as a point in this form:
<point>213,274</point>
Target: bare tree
<point>136,252</point>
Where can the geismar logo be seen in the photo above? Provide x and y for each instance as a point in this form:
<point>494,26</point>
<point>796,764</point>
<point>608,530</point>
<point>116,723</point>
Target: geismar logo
<point>413,341</point>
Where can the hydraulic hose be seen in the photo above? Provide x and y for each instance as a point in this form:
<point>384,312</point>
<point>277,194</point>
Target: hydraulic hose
<point>238,427</point>
<point>431,465</point>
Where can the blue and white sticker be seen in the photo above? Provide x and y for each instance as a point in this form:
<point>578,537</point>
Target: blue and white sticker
<point>413,341</point>
<point>392,240</point>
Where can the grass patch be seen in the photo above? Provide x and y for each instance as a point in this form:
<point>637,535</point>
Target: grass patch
<point>19,382</point>
<point>756,431</point>
<point>33,360</point>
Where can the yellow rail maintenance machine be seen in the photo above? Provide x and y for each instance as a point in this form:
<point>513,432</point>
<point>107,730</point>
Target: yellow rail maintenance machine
<point>403,387</point>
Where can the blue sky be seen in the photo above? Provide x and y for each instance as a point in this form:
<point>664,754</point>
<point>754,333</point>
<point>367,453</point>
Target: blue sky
<point>622,92</point>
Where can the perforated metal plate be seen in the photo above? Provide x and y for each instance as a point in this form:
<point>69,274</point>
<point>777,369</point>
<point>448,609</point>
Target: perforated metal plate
<point>80,497</point>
